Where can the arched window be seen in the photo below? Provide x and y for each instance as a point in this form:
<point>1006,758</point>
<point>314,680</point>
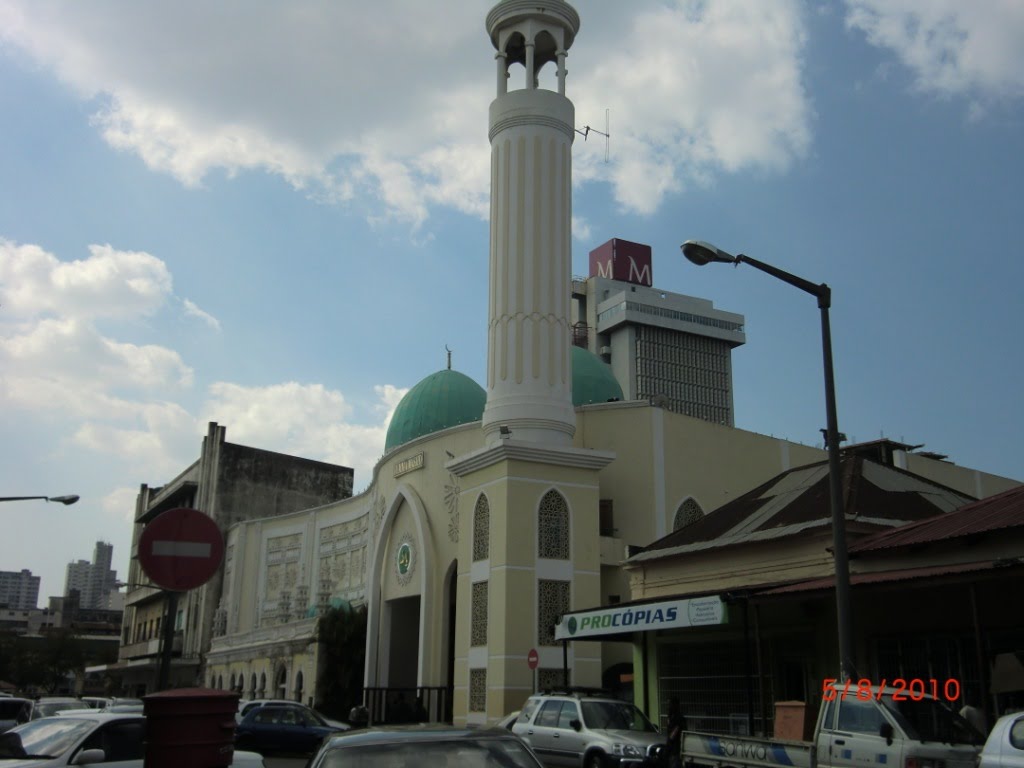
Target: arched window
<point>232,681</point>
<point>689,512</point>
<point>298,686</point>
<point>553,527</point>
<point>220,682</point>
<point>263,686</point>
<point>481,529</point>
<point>252,686</point>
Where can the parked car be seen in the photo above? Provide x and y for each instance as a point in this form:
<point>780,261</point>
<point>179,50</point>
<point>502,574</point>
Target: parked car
<point>14,711</point>
<point>51,705</point>
<point>587,728</point>
<point>425,745</point>
<point>116,741</point>
<point>1004,747</point>
<point>283,729</point>
<point>245,707</point>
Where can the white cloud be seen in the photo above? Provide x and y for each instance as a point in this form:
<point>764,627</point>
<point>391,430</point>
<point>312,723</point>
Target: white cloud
<point>384,105</point>
<point>192,310</point>
<point>952,47</point>
<point>304,420</point>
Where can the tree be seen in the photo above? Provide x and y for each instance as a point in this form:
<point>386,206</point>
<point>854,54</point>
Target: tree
<point>341,633</point>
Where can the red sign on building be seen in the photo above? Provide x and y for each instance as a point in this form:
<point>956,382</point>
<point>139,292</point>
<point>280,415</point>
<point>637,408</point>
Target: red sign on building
<point>181,549</point>
<point>623,260</point>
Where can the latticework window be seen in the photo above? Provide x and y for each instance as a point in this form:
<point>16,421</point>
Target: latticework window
<point>553,527</point>
<point>550,679</point>
<point>478,631</point>
<point>478,690</point>
<point>689,512</point>
<point>552,602</point>
<point>481,529</point>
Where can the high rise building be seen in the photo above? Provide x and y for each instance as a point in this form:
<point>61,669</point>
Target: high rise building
<point>19,590</point>
<point>93,581</point>
<point>666,347</point>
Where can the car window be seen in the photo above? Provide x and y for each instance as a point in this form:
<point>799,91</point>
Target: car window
<point>120,741</point>
<point>568,714</point>
<point>266,715</point>
<point>860,717</point>
<point>548,714</point>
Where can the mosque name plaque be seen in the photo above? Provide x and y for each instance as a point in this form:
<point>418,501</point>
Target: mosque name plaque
<point>409,465</point>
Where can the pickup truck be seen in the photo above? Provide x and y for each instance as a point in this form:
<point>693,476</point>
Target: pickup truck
<point>883,730</point>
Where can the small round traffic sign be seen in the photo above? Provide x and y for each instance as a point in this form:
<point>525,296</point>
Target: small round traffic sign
<point>532,658</point>
<point>181,549</point>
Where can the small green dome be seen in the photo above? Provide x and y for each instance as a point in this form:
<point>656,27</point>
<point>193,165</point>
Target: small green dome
<point>443,399</point>
<point>592,379</point>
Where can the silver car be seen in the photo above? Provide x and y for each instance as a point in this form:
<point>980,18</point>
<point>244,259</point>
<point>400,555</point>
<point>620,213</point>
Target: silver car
<point>587,730</point>
<point>1005,745</point>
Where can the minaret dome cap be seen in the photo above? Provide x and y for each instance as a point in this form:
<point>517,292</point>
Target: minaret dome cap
<point>510,12</point>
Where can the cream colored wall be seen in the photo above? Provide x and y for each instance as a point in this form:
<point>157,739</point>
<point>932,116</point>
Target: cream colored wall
<point>514,490</point>
<point>970,481</point>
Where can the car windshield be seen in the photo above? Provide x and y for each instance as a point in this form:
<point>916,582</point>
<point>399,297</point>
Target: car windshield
<point>10,708</point>
<point>484,753</point>
<point>615,716</point>
<point>931,720</point>
<point>51,737</point>
<point>47,708</point>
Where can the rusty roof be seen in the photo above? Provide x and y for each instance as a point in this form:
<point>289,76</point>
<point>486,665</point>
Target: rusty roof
<point>996,513</point>
<point>875,496</point>
<point>882,577</point>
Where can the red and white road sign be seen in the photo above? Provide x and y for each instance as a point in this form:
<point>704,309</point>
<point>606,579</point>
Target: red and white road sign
<point>532,658</point>
<point>181,549</point>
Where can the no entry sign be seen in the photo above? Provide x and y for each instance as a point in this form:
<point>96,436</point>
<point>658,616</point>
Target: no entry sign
<point>532,658</point>
<point>181,549</point>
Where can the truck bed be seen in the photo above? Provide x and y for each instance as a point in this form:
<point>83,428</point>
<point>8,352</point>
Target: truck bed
<point>716,750</point>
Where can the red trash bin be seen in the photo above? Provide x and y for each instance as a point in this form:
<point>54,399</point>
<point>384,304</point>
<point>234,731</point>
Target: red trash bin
<point>192,727</point>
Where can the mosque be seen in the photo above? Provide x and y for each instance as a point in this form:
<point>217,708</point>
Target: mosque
<point>605,423</point>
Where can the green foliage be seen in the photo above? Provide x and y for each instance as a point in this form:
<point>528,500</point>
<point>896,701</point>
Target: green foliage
<point>43,663</point>
<point>342,636</point>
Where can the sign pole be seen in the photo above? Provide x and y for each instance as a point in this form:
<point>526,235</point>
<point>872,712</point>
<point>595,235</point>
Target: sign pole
<point>167,643</point>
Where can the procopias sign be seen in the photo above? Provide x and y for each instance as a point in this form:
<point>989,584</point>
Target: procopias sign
<point>181,549</point>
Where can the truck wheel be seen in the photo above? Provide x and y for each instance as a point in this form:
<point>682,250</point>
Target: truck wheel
<point>594,760</point>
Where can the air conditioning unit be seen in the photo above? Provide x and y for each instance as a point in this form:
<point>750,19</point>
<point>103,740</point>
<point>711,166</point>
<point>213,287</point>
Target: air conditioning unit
<point>605,351</point>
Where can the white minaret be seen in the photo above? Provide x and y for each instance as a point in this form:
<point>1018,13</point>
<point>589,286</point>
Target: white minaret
<point>529,375</point>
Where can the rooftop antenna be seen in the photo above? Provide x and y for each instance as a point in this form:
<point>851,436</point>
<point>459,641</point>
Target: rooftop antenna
<point>587,130</point>
<point>449,356</point>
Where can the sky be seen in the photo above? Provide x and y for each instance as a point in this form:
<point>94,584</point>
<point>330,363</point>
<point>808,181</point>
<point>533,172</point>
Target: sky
<point>274,216</point>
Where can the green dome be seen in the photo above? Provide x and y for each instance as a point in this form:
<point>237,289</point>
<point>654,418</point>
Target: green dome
<point>592,379</point>
<point>443,399</point>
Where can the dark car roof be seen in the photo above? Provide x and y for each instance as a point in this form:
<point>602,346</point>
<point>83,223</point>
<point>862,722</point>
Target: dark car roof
<point>416,733</point>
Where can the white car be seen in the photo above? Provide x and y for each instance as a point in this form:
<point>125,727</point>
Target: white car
<point>1005,745</point>
<point>116,741</point>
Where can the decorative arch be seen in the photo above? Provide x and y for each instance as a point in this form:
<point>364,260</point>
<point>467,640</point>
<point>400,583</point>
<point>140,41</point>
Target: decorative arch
<point>553,526</point>
<point>406,494</point>
<point>689,512</point>
<point>281,683</point>
<point>481,529</point>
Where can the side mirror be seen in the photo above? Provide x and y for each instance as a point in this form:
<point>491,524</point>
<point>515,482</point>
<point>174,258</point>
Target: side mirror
<point>575,725</point>
<point>886,732</point>
<point>89,756</point>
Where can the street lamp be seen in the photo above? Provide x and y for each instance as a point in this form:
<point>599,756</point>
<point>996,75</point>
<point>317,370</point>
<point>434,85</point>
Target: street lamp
<point>62,499</point>
<point>701,253</point>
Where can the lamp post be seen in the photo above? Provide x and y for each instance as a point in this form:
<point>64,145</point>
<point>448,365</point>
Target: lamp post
<point>701,253</point>
<point>61,499</point>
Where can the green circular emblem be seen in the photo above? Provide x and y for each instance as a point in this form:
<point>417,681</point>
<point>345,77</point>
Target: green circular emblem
<point>404,558</point>
<point>572,625</point>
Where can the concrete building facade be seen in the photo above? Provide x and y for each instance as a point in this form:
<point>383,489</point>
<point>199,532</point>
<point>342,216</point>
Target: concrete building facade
<point>94,582</point>
<point>19,590</point>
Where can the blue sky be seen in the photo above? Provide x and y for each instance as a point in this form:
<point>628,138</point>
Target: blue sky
<point>273,216</point>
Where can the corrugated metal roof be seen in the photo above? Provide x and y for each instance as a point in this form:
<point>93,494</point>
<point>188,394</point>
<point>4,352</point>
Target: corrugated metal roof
<point>882,577</point>
<point>1002,511</point>
<point>875,495</point>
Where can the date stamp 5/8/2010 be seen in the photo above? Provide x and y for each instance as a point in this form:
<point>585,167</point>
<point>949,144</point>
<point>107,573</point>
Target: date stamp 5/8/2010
<point>901,689</point>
